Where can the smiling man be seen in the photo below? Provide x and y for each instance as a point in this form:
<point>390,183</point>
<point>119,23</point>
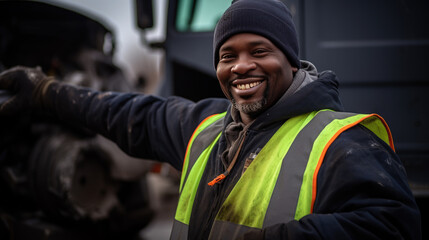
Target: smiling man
<point>278,160</point>
<point>253,73</point>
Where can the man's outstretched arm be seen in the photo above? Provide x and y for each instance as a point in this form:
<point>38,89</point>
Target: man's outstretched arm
<point>142,125</point>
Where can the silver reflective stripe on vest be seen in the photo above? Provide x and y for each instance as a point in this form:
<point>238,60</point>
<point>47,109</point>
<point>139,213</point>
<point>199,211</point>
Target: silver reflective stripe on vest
<point>227,230</point>
<point>288,185</point>
<point>179,231</point>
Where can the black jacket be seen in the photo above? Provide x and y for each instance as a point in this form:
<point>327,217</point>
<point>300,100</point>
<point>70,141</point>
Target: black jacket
<point>362,186</point>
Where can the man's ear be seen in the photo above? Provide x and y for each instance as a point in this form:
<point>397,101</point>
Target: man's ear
<point>294,69</point>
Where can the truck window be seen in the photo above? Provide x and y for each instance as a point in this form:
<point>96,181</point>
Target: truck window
<point>199,15</point>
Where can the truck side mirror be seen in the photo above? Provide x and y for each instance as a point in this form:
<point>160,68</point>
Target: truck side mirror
<point>144,12</point>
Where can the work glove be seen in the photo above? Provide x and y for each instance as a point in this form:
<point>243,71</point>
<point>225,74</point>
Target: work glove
<point>23,90</point>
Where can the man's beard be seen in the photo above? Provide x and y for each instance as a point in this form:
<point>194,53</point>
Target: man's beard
<point>251,109</point>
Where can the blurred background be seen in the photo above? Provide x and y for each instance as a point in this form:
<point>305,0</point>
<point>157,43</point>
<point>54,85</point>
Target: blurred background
<point>140,63</point>
<point>59,182</point>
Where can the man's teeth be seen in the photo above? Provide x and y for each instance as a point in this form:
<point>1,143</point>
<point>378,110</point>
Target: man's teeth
<point>248,85</point>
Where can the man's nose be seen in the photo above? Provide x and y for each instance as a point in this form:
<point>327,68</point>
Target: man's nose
<point>243,66</point>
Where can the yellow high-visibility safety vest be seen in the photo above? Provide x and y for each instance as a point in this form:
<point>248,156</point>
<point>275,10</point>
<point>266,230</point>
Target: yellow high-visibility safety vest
<point>280,184</point>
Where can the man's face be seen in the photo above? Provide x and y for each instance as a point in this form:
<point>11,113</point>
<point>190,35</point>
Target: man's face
<point>253,73</point>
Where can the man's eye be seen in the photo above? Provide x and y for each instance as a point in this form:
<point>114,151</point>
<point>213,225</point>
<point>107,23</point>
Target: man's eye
<point>227,56</point>
<point>259,51</point>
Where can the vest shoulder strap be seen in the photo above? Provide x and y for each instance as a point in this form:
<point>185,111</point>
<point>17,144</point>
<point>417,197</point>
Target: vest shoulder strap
<point>194,148</point>
<point>339,122</point>
<point>198,151</point>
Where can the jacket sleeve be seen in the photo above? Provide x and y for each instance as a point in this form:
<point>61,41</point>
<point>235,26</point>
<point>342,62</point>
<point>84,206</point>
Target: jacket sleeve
<point>362,194</point>
<point>143,126</point>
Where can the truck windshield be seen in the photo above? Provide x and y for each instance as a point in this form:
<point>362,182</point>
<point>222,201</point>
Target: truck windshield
<point>199,15</point>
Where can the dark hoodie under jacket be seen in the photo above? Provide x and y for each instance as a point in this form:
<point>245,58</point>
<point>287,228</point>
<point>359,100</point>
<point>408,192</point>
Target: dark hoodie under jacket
<point>362,186</point>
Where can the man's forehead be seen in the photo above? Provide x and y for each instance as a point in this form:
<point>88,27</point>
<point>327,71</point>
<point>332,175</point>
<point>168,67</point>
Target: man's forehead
<point>244,39</point>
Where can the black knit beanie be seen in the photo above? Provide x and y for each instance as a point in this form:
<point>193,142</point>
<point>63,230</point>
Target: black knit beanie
<point>268,18</point>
